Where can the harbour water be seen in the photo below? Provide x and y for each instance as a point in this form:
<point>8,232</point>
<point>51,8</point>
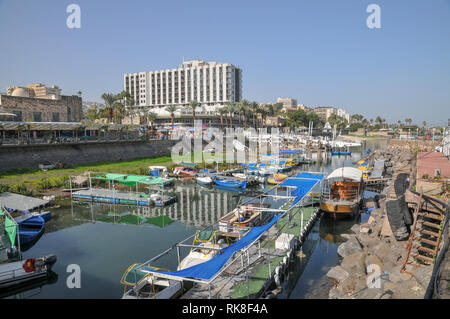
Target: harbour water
<point>103,245</point>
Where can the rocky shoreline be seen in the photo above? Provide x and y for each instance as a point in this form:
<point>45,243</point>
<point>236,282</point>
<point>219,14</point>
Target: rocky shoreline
<point>372,257</point>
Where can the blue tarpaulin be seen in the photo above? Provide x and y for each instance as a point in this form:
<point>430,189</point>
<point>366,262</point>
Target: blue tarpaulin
<point>206,270</point>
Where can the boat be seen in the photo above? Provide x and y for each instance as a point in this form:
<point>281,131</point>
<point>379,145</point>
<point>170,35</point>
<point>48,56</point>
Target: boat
<point>184,171</point>
<point>342,193</point>
<point>20,272</point>
<point>147,286</point>
<point>158,171</point>
<point>204,180</point>
<point>30,229</point>
<point>341,153</point>
<point>230,182</point>
<point>161,199</point>
<point>46,215</point>
<point>248,215</point>
<point>276,179</point>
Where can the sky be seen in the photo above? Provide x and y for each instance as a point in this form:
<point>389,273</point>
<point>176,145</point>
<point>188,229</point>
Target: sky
<point>319,52</point>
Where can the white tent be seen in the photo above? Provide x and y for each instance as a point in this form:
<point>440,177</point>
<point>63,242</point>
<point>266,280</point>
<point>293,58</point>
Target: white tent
<point>347,173</point>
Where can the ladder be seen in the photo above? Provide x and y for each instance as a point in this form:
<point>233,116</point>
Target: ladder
<point>426,233</point>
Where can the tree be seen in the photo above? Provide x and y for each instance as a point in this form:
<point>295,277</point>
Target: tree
<point>172,109</point>
<point>222,111</point>
<point>193,105</point>
<point>340,122</point>
<point>151,117</point>
<point>79,93</point>
<point>109,99</point>
<point>254,108</point>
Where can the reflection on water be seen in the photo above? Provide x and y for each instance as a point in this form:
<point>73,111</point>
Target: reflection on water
<point>104,242</point>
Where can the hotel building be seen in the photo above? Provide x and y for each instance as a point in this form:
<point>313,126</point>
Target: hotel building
<point>209,83</point>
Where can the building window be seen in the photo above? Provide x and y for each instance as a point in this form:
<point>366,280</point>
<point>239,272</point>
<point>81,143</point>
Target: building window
<point>55,117</point>
<point>37,117</point>
<point>18,117</point>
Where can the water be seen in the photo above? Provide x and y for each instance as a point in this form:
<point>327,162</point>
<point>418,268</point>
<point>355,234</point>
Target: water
<point>79,234</point>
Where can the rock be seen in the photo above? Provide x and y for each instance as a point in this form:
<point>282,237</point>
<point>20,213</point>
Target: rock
<point>369,241</point>
<point>365,229</point>
<point>338,273</point>
<point>334,293</point>
<point>354,263</point>
<point>355,228</point>
<point>382,251</point>
<point>351,246</point>
<point>369,293</point>
<point>389,286</point>
<point>371,260</point>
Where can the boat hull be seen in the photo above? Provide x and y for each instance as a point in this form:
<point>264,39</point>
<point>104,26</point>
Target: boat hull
<point>338,211</point>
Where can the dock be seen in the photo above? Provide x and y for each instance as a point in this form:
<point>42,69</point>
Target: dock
<point>103,195</point>
<point>260,264</point>
<point>21,202</point>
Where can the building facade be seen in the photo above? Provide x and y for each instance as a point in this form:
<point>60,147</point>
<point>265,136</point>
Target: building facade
<point>29,105</point>
<point>289,104</point>
<point>324,112</point>
<point>208,83</point>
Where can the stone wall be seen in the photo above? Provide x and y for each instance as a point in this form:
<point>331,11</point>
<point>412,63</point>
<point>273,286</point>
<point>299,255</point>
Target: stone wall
<point>69,108</point>
<point>30,156</point>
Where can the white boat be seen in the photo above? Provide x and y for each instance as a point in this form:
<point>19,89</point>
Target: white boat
<point>204,180</point>
<point>201,253</point>
<point>18,272</point>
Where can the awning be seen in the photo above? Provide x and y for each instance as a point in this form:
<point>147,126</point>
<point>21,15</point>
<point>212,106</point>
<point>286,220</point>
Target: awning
<point>347,173</point>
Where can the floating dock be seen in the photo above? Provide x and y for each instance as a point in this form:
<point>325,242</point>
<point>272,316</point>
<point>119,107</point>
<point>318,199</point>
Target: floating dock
<point>21,202</point>
<point>113,197</point>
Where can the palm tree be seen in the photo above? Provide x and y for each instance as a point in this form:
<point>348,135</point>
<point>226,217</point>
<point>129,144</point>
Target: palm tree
<point>151,117</point>
<point>193,105</point>
<point>254,107</point>
<point>222,111</point>
<point>109,99</point>
<point>172,109</point>
<point>231,108</point>
<point>243,107</point>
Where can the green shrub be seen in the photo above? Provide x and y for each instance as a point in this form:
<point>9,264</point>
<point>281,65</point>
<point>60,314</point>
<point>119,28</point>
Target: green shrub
<point>5,188</point>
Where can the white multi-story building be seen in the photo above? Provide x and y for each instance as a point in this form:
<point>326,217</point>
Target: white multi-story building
<point>208,83</point>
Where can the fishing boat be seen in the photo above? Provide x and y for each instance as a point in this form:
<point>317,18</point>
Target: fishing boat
<point>20,272</point>
<point>205,180</point>
<point>147,286</point>
<point>184,171</point>
<point>30,229</point>
<point>249,215</point>
<point>342,192</point>
<point>230,182</point>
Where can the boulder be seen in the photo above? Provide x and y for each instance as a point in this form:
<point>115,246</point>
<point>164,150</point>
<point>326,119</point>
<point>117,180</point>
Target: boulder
<point>382,251</point>
<point>351,246</point>
<point>338,273</point>
<point>372,259</point>
<point>355,263</point>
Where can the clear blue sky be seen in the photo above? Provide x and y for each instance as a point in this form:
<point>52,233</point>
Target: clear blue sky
<point>319,52</point>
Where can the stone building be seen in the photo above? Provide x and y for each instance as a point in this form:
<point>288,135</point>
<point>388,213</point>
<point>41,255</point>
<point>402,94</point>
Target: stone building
<point>36,103</point>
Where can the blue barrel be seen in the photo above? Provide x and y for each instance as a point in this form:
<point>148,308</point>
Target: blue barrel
<point>154,172</point>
